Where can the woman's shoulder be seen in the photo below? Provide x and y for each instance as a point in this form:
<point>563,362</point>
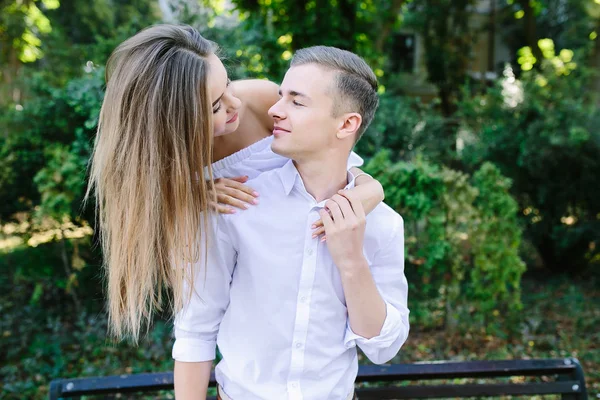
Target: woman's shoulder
<point>257,95</point>
<point>255,86</point>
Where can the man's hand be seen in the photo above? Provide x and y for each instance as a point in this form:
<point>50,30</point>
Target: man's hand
<point>344,229</point>
<point>233,192</point>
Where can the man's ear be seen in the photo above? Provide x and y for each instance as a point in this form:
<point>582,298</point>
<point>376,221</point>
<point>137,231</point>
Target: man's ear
<point>349,125</point>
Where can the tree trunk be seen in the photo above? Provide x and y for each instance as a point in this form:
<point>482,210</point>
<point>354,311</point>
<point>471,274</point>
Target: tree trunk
<point>387,24</point>
<point>595,66</point>
<point>68,271</point>
<point>530,27</point>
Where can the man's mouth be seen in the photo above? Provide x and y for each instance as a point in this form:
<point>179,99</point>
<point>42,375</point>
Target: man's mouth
<point>279,131</point>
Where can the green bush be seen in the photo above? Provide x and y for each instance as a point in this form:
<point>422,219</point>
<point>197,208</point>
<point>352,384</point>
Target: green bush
<point>462,241</point>
<point>407,127</point>
<point>542,132</point>
<point>48,146</point>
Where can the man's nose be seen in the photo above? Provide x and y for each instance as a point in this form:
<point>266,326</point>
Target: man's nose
<point>275,111</point>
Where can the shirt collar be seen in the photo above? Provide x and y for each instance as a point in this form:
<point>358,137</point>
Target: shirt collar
<point>290,177</point>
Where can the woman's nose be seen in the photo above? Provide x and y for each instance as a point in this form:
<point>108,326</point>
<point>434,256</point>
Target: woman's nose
<point>233,102</point>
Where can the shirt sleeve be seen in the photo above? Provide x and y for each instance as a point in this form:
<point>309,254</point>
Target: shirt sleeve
<point>388,272</point>
<point>354,160</point>
<point>197,323</point>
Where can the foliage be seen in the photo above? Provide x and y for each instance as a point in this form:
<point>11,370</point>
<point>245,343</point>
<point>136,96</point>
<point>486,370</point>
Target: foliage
<point>449,35</point>
<point>545,139</point>
<point>21,24</point>
<point>462,241</point>
<point>47,155</point>
<point>407,127</point>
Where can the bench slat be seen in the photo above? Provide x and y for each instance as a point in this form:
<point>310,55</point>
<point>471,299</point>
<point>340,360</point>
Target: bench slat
<point>468,369</point>
<point>467,390</point>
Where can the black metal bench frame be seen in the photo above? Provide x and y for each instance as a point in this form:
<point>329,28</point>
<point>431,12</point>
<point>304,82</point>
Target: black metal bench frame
<point>563,377</point>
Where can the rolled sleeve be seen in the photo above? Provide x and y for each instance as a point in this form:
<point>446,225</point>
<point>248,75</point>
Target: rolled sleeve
<point>197,323</point>
<point>190,349</point>
<point>388,272</point>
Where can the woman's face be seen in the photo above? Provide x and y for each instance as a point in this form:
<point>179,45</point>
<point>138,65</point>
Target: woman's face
<point>225,105</point>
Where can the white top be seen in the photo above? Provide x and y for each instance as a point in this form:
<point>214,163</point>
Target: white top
<point>273,301</point>
<point>258,158</point>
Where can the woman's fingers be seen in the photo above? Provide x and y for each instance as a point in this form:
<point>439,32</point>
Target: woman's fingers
<point>222,208</point>
<point>318,231</point>
<point>239,186</point>
<point>240,179</point>
<point>231,201</point>
<point>239,195</point>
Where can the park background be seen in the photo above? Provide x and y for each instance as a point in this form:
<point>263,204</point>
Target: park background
<point>486,141</point>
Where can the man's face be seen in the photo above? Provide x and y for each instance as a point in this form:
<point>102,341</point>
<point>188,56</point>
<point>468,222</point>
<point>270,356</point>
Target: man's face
<point>304,125</point>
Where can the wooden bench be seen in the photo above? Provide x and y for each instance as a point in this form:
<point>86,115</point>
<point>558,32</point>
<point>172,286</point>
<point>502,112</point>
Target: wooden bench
<point>562,377</point>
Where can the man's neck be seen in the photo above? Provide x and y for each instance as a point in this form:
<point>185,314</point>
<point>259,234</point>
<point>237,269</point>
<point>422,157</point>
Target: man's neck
<point>323,178</point>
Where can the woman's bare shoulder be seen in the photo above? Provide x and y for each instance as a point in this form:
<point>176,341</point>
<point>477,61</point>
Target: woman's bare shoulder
<point>256,94</point>
<point>255,86</point>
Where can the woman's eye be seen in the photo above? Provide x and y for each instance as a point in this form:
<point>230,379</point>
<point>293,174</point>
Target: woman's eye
<point>216,110</point>
<point>297,104</point>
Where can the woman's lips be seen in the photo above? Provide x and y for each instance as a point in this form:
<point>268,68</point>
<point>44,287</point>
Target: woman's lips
<point>233,119</point>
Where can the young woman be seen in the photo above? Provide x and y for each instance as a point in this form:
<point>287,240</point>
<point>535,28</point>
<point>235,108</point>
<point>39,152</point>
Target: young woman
<point>175,139</point>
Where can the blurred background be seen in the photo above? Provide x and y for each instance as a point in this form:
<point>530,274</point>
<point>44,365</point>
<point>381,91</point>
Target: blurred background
<point>486,141</point>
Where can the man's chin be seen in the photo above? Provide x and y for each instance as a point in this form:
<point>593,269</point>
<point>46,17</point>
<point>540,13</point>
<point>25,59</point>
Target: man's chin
<point>281,149</point>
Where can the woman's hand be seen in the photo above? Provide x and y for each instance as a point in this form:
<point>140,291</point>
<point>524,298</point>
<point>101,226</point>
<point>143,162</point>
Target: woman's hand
<point>231,192</point>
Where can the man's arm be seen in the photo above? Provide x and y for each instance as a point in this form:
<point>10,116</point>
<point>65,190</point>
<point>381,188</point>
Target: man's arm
<point>376,295</point>
<point>191,380</point>
<point>197,324</point>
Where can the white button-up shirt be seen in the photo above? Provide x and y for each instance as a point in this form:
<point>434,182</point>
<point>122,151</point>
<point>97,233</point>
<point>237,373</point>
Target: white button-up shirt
<point>272,299</point>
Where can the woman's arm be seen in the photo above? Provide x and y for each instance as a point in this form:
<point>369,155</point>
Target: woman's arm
<point>368,190</point>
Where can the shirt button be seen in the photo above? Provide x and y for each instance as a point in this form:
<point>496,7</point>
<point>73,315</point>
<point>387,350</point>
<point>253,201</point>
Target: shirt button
<point>298,345</point>
<point>309,252</point>
<point>294,385</point>
<point>303,299</point>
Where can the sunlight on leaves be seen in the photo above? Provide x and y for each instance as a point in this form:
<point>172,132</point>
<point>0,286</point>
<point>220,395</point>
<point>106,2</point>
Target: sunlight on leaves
<point>526,58</point>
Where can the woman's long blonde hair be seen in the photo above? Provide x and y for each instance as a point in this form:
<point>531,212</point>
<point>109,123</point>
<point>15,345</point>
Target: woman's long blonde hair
<point>148,173</point>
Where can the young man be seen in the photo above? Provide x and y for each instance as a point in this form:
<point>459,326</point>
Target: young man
<point>287,310</point>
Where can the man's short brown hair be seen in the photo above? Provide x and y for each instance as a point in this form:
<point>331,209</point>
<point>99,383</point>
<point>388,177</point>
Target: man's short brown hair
<point>355,85</point>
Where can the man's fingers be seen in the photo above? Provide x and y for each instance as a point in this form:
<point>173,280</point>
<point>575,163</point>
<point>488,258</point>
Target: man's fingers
<point>345,207</point>
<point>336,212</point>
<point>356,204</point>
<point>326,218</point>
